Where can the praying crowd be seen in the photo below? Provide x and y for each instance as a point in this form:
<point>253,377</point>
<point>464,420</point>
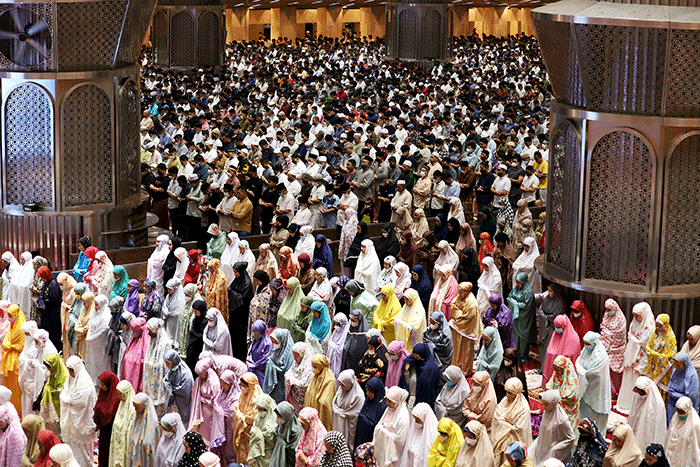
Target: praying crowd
<point>356,334</point>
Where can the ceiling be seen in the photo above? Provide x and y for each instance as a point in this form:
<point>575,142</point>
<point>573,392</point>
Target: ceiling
<point>306,4</point>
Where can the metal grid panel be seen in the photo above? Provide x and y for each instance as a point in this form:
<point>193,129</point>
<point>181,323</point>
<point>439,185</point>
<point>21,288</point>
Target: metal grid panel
<point>182,40</point>
<point>622,67</point>
<point>564,184</point>
<point>160,37</point>
<point>390,25</point>
<point>88,35</point>
<point>619,209</point>
<point>683,94</point>
<point>432,34</point>
<point>135,27</point>
<point>209,39</point>
<point>87,147</point>
<point>128,162</point>
<point>29,152</point>
<point>680,263</point>
<point>554,39</point>
<point>36,16</point>
<point>408,33</point>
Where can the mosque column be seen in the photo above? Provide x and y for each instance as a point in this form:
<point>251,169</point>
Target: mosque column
<point>283,23</point>
<point>624,168</point>
<point>419,31</point>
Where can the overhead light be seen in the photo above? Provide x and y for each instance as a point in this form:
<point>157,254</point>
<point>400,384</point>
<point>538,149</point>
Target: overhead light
<point>238,4</point>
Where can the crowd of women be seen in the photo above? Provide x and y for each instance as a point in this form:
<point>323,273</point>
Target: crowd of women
<point>408,354</point>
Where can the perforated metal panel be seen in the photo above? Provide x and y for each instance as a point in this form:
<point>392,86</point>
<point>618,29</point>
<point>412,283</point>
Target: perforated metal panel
<point>160,37</point>
<point>683,95</point>
<point>87,147</point>
<point>209,39</point>
<point>88,34</point>
<point>29,151</point>
<point>619,209</point>
<point>390,27</point>
<point>564,184</point>
<point>135,24</point>
<point>622,67</point>
<point>680,262</point>
<point>182,40</point>
<point>128,161</point>
<point>408,33</point>
<point>432,34</point>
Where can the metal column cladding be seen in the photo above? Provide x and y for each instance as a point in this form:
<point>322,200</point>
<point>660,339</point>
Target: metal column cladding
<point>625,153</point>
<point>419,31</point>
<point>69,124</point>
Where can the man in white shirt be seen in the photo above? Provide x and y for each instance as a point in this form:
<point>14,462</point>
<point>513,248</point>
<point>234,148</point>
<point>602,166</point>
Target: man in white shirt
<point>303,215</point>
<point>285,205</point>
<point>224,208</point>
<point>529,185</point>
<point>437,203</point>
<point>500,187</point>
<point>293,185</point>
<point>317,193</point>
<point>348,200</point>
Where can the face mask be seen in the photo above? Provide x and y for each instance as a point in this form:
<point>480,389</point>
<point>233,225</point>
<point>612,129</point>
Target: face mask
<point>611,312</point>
<point>444,437</point>
<point>371,352</point>
<point>469,441</point>
<point>450,384</point>
<point>276,346</point>
<point>152,334</point>
<point>280,420</point>
<point>507,363</point>
<point>168,434</point>
<point>257,336</point>
<point>682,417</point>
<point>337,328</point>
<point>559,330</point>
<point>394,357</point>
<point>588,346</point>
<point>385,235</point>
<point>576,315</point>
<point>212,323</point>
<point>476,389</point>
<point>433,327</point>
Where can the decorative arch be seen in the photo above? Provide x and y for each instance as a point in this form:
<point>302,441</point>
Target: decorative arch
<point>182,36</point>
<point>29,147</point>
<point>564,188</point>
<point>408,34</point>
<point>209,39</point>
<point>680,257</point>
<point>432,34</point>
<point>160,37</point>
<point>620,201</point>
<point>87,147</point>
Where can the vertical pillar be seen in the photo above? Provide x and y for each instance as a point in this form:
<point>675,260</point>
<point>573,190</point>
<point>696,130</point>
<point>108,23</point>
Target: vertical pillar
<point>329,21</point>
<point>283,23</point>
<point>237,24</point>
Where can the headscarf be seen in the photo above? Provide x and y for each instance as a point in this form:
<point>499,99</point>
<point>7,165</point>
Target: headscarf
<point>567,344</point>
<point>591,448</point>
<point>485,249</point>
<point>446,289</point>
<point>280,360</point>
<point>289,265</point>
<point>197,447</point>
<point>78,400</point>
<point>427,374</point>
<point>368,268</point>
<point>145,434</point>
<point>287,435</point>
<point>481,405</point>
<point>396,354</point>
<point>259,350</point>
<point>466,237</point>
<point>153,365</point>
<point>120,285</point>
<point>323,257</point>
<point>410,323</point>
<point>170,448</point>
<point>340,457</point>
<point>178,381</point>
<point>217,338</point>
<point>133,299</point>
<point>444,452</point>
<point>266,261</point>
<point>613,334</point>
<point>440,230</point>
<point>372,410</point>
<point>592,368</point>
<point>693,353</point>
<point>209,459</point>
<point>135,353</point>
<point>501,318</point>
<point>264,426</point>
<point>32,425</point>
<point>440,340</point>
<point>63,455</point>
<point>54,384</point>
<point>583,323</point>
<point>656,451</point>
<point>364,455</point>
<point>348,233</point>
<point>321,326</point>
<point>511,420</point>
<point>647,412</point>
<point>107,402</point>
<point>423,285</point>
<point>347,404</point>
<point>420,436</point>
<point>355,342</point>
<point>447,257</point>
<point>627,455</point>
<point>683,381</point>
<point>311,439</point>
<point>336,343</point>
<point>119,447</point>
<point>291,305</point>
<point>46,440</point>
<point>321,390</point>
<point>386,312</point>
<point>452,395</point>
<point>556,438</point>
<point>13,343</point>
<point>491,354</point>
<point>152,304</point>
<point>13,441</point>
<point>641,330</point>
<point>480,453</point>
<point>193,269</point>
<point>565,381</point>
<point>300,374</point>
